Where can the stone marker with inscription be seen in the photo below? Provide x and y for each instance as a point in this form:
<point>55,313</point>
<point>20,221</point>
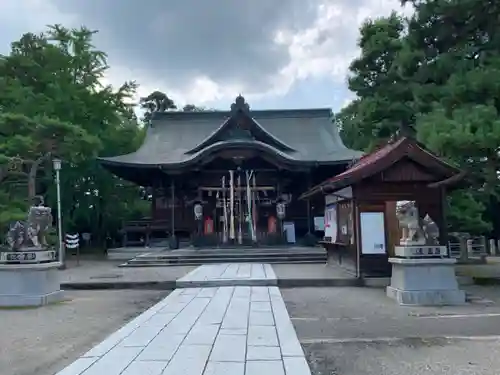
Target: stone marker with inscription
<point>422,272</point>
<point>28,267</point>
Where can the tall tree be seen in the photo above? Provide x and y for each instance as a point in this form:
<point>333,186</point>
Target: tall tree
<point>435,70</point>
<point>194,108</point>
<point>458,95</point>
<point>385,99</point>
<point>157,101</point>
<point>52,102</point>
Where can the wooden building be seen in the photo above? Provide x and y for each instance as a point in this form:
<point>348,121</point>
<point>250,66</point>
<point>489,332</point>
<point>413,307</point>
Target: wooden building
<point>236,168</point>
<point>361,203</point>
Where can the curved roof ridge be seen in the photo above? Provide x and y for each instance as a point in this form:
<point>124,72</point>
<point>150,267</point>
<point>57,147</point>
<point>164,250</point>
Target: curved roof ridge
<point>206,141</point>
<point>239,142</point>
<point>212,137</point>
<point>273,137</point>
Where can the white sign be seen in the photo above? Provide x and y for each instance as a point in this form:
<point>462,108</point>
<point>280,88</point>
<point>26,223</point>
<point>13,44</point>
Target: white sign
<point>289,229</point>
<point>27,256</point>
<point>372,233</point>
<point>319,223</point>
<point>331,222</point>
<point>341,195</point>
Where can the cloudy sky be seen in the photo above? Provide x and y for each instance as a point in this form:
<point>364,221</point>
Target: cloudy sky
<point>277,53</point>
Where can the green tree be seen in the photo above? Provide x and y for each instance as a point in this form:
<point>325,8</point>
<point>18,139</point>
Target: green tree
<point>195,108</point>
<point>52,103</point>
<point>384,99</point>
<point>157,101</point>
<point>458,94</point>
<point>435,71</point>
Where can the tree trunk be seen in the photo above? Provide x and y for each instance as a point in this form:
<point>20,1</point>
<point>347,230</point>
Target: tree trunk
<point>32,176</point>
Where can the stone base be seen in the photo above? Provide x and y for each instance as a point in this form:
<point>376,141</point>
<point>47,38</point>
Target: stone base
<point>427,297</point>
<point>29,284</point>
<point>30,256</point>
<point>420,251</point>
<point>424,282</point>
<point>20,300</point>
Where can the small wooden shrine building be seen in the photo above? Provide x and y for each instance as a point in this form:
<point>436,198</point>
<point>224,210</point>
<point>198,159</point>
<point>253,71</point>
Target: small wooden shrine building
<point>223,174</point>
<point>361,227</point>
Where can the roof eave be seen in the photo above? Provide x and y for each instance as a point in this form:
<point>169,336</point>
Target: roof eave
<point>284,158</point>
<point>456,181</point>
<point>117,163</point>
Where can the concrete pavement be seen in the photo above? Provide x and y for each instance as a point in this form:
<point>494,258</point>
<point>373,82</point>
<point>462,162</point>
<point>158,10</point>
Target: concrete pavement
<point>229,274</point>
<point>234,330</point>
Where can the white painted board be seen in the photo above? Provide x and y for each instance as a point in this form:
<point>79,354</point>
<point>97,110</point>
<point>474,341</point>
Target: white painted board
<point>319,223</point>
<point>289,228</point>
<point>372,233</point>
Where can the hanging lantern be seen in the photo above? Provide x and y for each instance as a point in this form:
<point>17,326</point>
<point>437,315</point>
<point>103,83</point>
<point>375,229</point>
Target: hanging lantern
<point>280,210</point>
<point>198,211</point>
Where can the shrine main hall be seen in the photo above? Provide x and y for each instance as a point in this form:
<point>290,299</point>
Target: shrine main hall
<point>234,177</point>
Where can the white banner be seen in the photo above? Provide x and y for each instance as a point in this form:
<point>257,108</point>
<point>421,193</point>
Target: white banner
<point>331,222</point>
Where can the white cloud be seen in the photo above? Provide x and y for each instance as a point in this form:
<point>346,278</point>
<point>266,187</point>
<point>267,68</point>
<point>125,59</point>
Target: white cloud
<point>201,52</point>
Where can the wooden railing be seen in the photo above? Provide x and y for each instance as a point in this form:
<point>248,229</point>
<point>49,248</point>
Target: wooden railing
<point>142,230</point>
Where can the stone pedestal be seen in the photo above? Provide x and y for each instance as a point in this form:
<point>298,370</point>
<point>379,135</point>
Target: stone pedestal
<point>424,281</point>
<point>29,284</point>
<point>27,256</point>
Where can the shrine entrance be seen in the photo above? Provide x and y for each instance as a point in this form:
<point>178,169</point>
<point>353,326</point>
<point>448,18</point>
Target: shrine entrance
<point>240,209</point>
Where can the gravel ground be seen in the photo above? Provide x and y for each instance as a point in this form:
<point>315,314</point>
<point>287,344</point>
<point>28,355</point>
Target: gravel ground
<point>91,270</point>
<point>43,341</point>
<point>408,357</point>
<point>359,331</point>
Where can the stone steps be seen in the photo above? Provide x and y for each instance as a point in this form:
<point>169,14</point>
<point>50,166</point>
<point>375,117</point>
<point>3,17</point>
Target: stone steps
<point>194,258</point>
<point>127,253</point>
<point>131,264</point>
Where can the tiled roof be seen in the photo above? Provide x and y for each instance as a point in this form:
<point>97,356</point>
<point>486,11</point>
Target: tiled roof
<point>367,159</point>
<point>309,134</point>
<point>383,158</point>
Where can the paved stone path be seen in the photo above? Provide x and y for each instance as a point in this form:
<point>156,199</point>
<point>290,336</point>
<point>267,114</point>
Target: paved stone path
<point>238,330</point>
<point>229,274</point>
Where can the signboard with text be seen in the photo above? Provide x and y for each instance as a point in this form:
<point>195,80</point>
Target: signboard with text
<point>27,256</point>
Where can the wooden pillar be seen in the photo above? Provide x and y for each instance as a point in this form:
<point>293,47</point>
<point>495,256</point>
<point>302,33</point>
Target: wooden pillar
<point>199,223</point>
<point>154,195</point>
<point>308,203</point>
<point>278,198</point>
<point>356,226</point>
<point>173,243</point>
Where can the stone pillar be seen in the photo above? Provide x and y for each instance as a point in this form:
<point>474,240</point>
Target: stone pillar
<point>464,255</point>
<point>492,245</point>
<point>470,249</point>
